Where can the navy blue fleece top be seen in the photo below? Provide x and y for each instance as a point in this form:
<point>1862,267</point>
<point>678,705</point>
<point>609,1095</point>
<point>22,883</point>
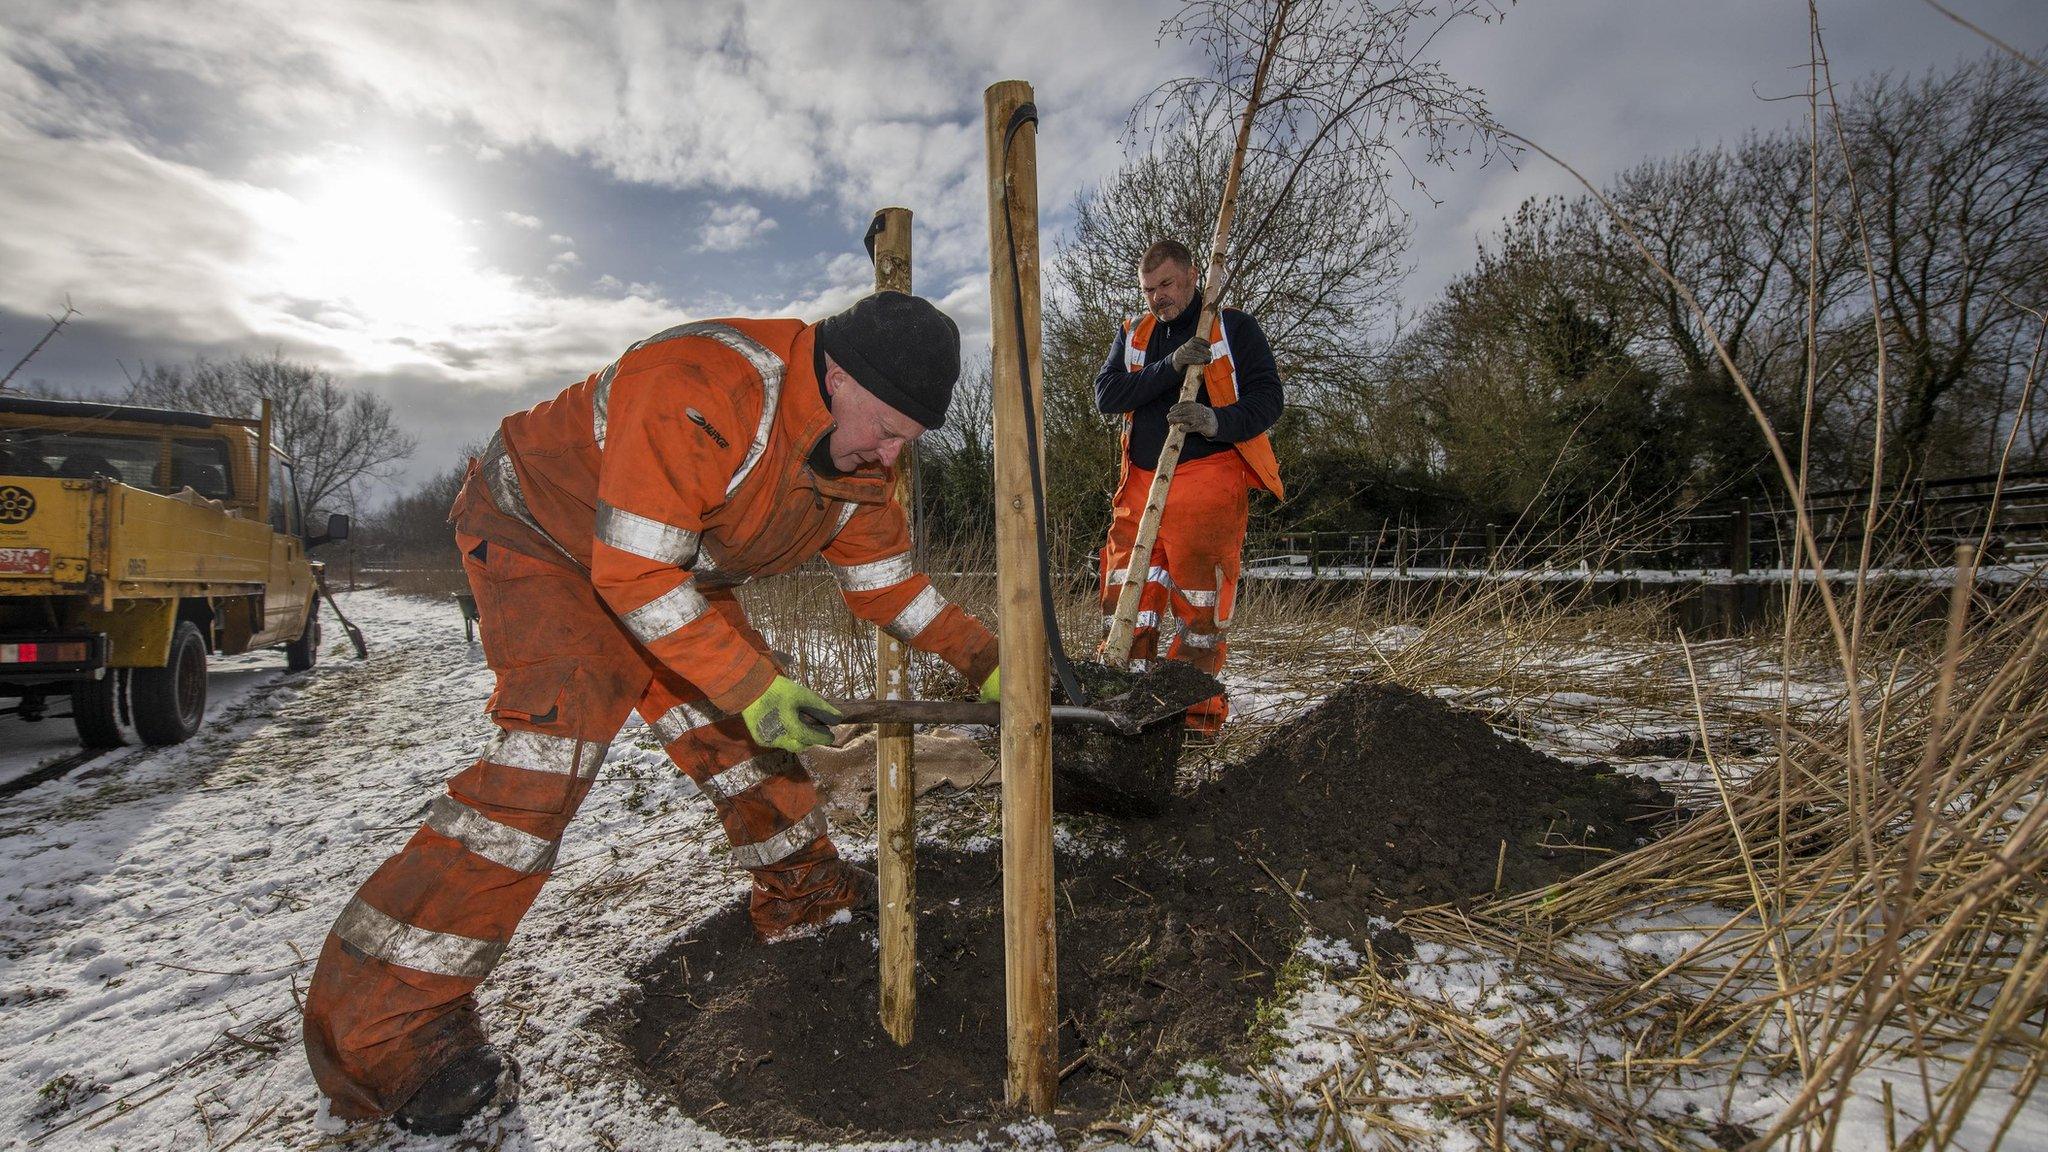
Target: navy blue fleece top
<point>1148,393</point>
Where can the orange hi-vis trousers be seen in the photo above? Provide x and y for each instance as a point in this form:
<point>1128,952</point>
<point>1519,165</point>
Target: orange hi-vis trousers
<point>1193,570</point>
<point>392,998</point>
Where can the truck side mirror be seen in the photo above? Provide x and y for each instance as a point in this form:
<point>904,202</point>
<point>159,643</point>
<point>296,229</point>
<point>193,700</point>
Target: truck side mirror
<point>337,529</point>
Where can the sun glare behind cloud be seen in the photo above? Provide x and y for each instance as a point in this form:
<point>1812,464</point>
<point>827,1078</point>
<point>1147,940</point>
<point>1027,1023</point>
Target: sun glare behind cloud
<point>376,263</point>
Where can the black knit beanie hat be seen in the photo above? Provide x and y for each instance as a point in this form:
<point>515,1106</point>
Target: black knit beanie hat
<point>901,348</point>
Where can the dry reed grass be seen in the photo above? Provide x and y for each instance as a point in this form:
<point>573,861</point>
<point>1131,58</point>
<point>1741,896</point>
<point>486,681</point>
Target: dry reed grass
<point>1875,891</point>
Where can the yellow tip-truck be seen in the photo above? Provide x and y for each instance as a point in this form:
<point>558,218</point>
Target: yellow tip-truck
<point>134,543</point>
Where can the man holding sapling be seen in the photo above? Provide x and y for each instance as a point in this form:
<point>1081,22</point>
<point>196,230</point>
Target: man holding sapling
<point>1194,563</point>
<point>603,534</point>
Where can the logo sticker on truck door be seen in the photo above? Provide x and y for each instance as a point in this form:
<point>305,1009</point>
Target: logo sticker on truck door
<point>16,504</point>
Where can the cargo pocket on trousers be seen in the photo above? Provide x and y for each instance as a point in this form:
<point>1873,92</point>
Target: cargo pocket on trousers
<point>544,772</point>
<point>528,611</point>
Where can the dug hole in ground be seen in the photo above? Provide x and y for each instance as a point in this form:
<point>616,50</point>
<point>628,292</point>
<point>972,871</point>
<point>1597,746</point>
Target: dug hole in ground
<point>1216,963</point>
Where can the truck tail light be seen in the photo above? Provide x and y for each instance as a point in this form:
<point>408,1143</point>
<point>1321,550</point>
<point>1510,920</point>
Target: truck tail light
<point>46,652</point>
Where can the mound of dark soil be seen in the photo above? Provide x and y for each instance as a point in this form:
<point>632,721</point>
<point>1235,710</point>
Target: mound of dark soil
<point>1377,800</point>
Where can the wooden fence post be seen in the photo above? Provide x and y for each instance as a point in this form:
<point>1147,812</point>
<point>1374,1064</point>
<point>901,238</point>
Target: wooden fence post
<point>1738,539</point>
<point>1315,558</point>
<point>1031,991</point>
<point>895,753</point>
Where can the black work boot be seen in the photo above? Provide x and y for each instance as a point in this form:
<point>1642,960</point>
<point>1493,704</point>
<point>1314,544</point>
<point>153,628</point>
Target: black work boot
<point>481,1079</point>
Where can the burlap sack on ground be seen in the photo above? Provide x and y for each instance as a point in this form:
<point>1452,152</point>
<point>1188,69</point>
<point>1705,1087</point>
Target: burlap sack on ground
<point>948,756</point>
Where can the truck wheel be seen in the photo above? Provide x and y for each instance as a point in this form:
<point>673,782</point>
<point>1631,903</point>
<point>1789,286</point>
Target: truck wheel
<point>170,702</point>
<point>97,707</point>
<point>303,653</point>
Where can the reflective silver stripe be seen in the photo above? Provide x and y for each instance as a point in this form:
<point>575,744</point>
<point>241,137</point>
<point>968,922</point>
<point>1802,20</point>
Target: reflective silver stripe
<point>770,369</point>
<point>764,362</point>
<point>540,752</point>
<point>442,953</point>
<point>501,480</point>
<point>1134,354</point>
<point>730,782</point>
<point>684,719</point>
<point>845,514</point>
<point>916,615</point>
<point>601,402</point>
<point>1154,575</point>
<point>646,538</point>
<point>665,613</point>
<point>1199,599</point>
<point>1200,639</point>
<point>1147,620</point>
<point>782,845</point>
<point>874,574</point>
<point>501,844</point>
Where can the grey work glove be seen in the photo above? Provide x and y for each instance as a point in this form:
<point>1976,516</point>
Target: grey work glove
<point>1194,416</point>
<point>1194,351</point>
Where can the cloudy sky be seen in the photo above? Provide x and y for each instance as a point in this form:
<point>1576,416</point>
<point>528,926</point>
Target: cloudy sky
<point>466,206</point>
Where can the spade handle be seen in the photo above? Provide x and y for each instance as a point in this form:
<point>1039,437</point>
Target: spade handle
<point>967,712</point>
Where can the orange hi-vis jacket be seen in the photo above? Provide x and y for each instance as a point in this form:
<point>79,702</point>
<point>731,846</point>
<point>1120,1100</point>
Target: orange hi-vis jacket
<point>1219,376</point>
<point>684,467</point>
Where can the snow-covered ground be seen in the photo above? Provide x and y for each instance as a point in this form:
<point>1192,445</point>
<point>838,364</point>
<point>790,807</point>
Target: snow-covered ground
<point>164,906</point>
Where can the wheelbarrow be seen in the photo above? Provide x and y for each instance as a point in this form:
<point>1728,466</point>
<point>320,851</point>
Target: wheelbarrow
<point>1116,757</point>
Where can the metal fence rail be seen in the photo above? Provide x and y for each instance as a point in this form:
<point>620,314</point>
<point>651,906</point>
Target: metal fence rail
<point>1916,525</point>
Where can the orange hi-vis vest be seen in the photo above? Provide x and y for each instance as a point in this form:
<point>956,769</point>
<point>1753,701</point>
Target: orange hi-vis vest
<point>1219,376</point>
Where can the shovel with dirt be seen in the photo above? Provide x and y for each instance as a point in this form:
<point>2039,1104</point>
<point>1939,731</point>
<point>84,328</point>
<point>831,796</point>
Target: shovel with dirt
<point>1116,756</point>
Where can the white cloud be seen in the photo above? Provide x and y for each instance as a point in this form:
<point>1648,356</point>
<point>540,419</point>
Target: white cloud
<point>838,113</point>
<point>732,227</point>
<point>783,97</point>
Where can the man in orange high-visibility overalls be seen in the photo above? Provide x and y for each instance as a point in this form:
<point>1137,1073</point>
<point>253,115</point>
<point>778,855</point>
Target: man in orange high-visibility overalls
<point>603,533</point>
<point>1193,567</point>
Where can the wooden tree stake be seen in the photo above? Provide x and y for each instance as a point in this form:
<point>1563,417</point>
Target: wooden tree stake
<point>895,754</point>
<point>1031,988</point>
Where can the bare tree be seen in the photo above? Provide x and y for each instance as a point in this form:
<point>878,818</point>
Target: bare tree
<point>337,438</point>
<point>57,324</point>
<point>1731,226</point>
<point>1524,379</point>
<point>1349,84</point>
<point>1956,172</point>
<point>1319,276</point>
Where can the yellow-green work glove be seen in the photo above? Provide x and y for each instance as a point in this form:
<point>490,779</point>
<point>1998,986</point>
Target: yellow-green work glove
<point>992,688</point>
<point>789,716</point>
